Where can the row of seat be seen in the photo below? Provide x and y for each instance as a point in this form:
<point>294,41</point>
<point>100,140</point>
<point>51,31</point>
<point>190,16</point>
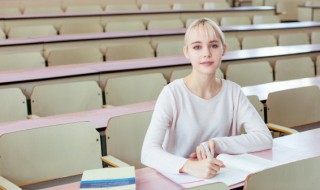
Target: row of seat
<point>124,26</point>
<point>51,99</point>
<point>91,8</point>
<point>53,56</point>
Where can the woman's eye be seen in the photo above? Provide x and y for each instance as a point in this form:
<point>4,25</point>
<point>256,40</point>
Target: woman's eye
<point>214,46</point>
<point>196,47</point>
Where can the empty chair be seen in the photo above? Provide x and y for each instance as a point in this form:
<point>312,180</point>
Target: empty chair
<point>13,105</point>
<point>43,10</point>
<point>252,42</point>
<point>61,98</point>
<point>134,89</point>
<point>80,28</point>
<point>315,37</point>
<point>127,132</point>
<point>130,51</point>
<point>155,7</point>
<point>177,74</point>
<point>288,69</point>
<point>287,176</point>
<point>82,9</point>
<point>9,11</point>
<point>294,107</point>
<point>187,6</point>
<point>265,19</point>
<point>190,20</point>
<point>125,26</point>
<point>122,7</point>
<point>74,56</point>
<point>170,48</point>
<point>165,24</point>
<point>253,73</point>
<point>216,5</point>
<point>235,21</point>
<point>232,43</point>
<point>254,100</point>
<point>293,39</point>
<point>32,31</point>
<point>16,61</point>
<point>50,152</point>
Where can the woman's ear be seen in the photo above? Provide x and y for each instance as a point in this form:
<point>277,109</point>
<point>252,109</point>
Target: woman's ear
<point>224,49</point>
<point>185,51</point>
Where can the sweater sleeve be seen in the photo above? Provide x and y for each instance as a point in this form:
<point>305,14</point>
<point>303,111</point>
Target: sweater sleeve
<point>257,136</point>
<point>153,154</point>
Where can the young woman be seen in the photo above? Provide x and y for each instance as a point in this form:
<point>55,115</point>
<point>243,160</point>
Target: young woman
<point>201,108</point>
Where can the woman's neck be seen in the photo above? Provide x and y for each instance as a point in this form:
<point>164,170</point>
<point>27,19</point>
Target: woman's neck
<point>204,86</point>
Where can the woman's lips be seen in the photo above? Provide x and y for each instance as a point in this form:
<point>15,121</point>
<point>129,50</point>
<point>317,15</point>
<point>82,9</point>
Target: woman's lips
<point>206,63</point>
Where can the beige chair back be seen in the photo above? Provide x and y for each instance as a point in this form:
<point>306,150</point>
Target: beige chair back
<point>80,28</point>
<point>2,35</point>
<point>17,61</point>
<point>290,39</point>
<point>187,6</point>
<point>134,89</point>
<point>84,9</point>
<point>53,99</point>
<point>42,10</point>
<point>32,31</point>
<point>318,65</point>
<point>155,7</point>
<point>216,5</point>
<point>235,21</point>
<point>315,37</point>
<point>265,19</point>
<point>130,51</point>
<point>247,74</point>
<point>122,7</point>
<point>294,107</point>
<point>170,48</point>
<point>165,24</point>
<point>125,135</point>
<point>74,56</point>
<point>125,26</point>
<point>232,43</point>
<point>287,176</point>
<point>49,152</point>
<point>13,105</point>
<point>10,11</point>
<point>212,186</point>
<point>252,42</point>
<point>288,69</point>
<point>254,100</point>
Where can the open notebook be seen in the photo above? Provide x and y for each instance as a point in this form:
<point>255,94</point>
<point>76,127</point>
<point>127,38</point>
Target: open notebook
<point>122,178</point>
<point>238,167</point>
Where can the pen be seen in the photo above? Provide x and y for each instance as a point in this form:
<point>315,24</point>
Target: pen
<point>206,149</point>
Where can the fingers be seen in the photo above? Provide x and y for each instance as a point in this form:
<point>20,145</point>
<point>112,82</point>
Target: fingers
<point>193,156</point>
<point>211,146</point>
<point>201,153</point>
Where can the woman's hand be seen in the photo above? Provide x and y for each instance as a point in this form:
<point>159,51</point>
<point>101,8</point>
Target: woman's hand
<point>206,168</point>
<point>200,153</point>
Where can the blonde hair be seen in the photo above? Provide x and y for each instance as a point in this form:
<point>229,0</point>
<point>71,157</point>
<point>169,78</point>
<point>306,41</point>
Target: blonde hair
<point>207,27</point>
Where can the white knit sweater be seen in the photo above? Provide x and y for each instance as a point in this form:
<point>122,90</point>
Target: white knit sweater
<point>182,120</point>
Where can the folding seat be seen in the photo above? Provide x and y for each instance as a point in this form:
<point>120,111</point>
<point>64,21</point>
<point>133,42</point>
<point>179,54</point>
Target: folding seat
<point>13,105</point>
<point>125,26</point>
<point>232,43</point>
<point>260,41</point>
<point>155,7</point>
<point>74,56</point>
<point>293,39</point>
<point>252,73</point>
<point>122,7</point>
<point>32,31</point>
<point>130,51</point>
<point>216,5</point>
<point>187,6</point>
<point>61,98</point>
<point>133,89</point>
<point>165,24</point>
<point>265,19</point>
<point>287,69</point>
<point>170,48</point>
<point>235,21</point>
<point>22,60</point>
<point>80,28</point>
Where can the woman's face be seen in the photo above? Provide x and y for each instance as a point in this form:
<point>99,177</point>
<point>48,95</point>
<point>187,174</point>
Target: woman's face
<point>204,50</point>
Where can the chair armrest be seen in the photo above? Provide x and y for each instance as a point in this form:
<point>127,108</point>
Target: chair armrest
<point>7,185</point>
<point>114,162</point>
<point>281,129</point>
<point>33,117</point>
